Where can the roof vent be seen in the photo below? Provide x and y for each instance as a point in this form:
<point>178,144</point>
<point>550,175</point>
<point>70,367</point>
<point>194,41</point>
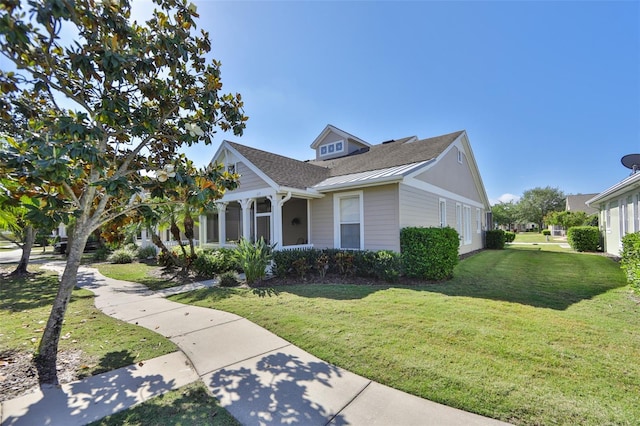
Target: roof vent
<point>389,141</point>
<point>360,151</point>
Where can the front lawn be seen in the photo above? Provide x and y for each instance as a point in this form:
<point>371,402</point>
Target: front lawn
<point>91,342</point>
<point>522,335</point>
<point>151,276</point>
<point>537,237</point>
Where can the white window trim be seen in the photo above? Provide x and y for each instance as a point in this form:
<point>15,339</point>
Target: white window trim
<point>441,213</point>
<point>466,224</point>
<point>228,166</point>
<point>459,156</point>
<point>337,243</point>
<point>607,218</point>
<point>459,219</point>
<point>478,221</point>
<point>335,151</point>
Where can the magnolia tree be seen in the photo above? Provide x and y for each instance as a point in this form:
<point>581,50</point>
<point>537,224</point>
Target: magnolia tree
<point>102,112</point>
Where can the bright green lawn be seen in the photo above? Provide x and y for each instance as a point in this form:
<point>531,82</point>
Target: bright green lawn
<point>106,343</point>
<point>135,272</point>
<point>536,237</point>
<point>522,335</point>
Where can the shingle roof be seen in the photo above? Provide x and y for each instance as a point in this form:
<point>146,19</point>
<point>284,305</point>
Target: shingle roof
<point>578,203</point>
<point>283,170</point>
<point>293,173</point>
<point>390,154</point>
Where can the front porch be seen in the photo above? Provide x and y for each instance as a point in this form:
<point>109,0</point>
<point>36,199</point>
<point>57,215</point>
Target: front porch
<point>281,219</point>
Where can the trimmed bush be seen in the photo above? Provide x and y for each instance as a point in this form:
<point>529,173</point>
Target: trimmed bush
<point>630,259</point>
<point>509,237</point>
<point>229,279</point>
<point>583,238</point>
<point>546,232</point>
<point>210,263</point>
<point>388,265</point>
<point>147,252</point>
<point>429,253</point>
<point>123,255</point>
<point>495,239</point>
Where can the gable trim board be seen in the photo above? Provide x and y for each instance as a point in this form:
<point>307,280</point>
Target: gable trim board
<point>390,166</point>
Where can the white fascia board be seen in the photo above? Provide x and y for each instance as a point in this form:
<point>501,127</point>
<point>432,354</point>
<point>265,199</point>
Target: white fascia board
<point>224,145</point>
<point>616,190</point>
<point>440,192</point>
<point>263,192</point>
<point>300,193</point>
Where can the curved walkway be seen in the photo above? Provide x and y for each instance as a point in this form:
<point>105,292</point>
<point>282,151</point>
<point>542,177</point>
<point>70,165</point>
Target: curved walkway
<point>258,377</point>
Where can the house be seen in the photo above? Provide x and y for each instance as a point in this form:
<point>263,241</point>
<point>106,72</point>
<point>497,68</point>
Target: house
<point>353,195</point>
<point>574,203</point>
<point>619,209</point>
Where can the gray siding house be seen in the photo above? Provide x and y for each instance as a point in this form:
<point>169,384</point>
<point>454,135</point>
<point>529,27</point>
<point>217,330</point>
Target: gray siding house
<point>353,195</point>
<point>619,208</point>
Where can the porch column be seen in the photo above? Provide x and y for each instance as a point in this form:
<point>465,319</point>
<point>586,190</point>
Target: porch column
<point>144,238</point>
<point>222,223</point>
<point>245,204</point>
<point>277,201</point>
<point>202,229</point>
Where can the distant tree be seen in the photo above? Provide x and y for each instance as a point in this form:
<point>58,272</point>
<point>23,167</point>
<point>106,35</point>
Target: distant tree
<point>104,114</point>
<point>537,203</point>
<point>505,214</point>
<point>566,219</point>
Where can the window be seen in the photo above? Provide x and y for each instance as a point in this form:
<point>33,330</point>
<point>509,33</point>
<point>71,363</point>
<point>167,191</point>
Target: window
<point>460,156</point>
<point>231,168</point>
<point>348,214</point>
<point>467,224</point>
<point>459,219</point>
<point>443,212</point>
<point>333,147</point>
<point>478,221</point>
<point>623,218</point>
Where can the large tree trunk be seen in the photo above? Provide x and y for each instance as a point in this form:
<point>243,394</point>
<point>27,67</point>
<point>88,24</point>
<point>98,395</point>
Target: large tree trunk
<point>29,238</point>
<point>48,350</point>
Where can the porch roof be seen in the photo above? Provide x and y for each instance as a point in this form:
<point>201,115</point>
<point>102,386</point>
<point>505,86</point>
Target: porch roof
<point>389,174</point>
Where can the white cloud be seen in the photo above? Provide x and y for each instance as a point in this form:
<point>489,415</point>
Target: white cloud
<point>505,198</point>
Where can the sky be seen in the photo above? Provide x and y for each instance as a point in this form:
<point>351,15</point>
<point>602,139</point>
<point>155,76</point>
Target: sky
<point>548,91</point>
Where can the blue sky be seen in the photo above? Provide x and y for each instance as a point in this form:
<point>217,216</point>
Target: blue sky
<point>549,92</point>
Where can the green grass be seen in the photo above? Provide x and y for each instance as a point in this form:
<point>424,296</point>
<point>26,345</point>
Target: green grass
<point>536,237</point>
<point>135,272</point>
<point>523,335</point>
<point>189,405</point>
<point>106,343</point>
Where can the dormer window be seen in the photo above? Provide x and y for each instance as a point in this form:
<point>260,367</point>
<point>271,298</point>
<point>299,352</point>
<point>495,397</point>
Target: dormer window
<point>331,148</point>
<point>231,168</point>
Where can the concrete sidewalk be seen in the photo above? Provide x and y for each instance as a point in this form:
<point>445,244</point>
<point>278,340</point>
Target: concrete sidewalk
<point>258,377</point>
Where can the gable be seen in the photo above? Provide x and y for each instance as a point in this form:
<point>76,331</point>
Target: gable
<point>333,143</point>
<point>454,176</point>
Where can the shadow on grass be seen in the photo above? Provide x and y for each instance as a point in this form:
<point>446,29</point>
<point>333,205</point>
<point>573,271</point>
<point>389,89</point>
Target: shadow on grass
<point>542,279</point>
<point>28,292</point>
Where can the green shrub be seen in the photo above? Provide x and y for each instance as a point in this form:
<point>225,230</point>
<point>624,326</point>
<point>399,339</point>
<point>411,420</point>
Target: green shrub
<point>495,239</point>
<point>345,263</point>
<point>229,279</point>
<point>283,260</point>
<point>583,238</point>
<point>301,267</point>
<point>546,232</point>
<point>429,253</point>
<point>388,265</point>
<point>322,265</point>
<point>101,254</point>
<point>630,259</point>
<point>146,252</point>
<point>123,255</point>
<point>509,237</point>
<point>253,259</point>
<point>212,262</point>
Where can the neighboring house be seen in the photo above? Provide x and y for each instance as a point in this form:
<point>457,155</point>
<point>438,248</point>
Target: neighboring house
<point>619,208</point>
<point>354,195</point>
<point>575,203</point>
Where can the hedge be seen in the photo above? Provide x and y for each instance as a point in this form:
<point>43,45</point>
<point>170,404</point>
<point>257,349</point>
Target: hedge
<point>630,259</point>
<point>429,253</point>
<point>583,238</point>
<point>495,239</point>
